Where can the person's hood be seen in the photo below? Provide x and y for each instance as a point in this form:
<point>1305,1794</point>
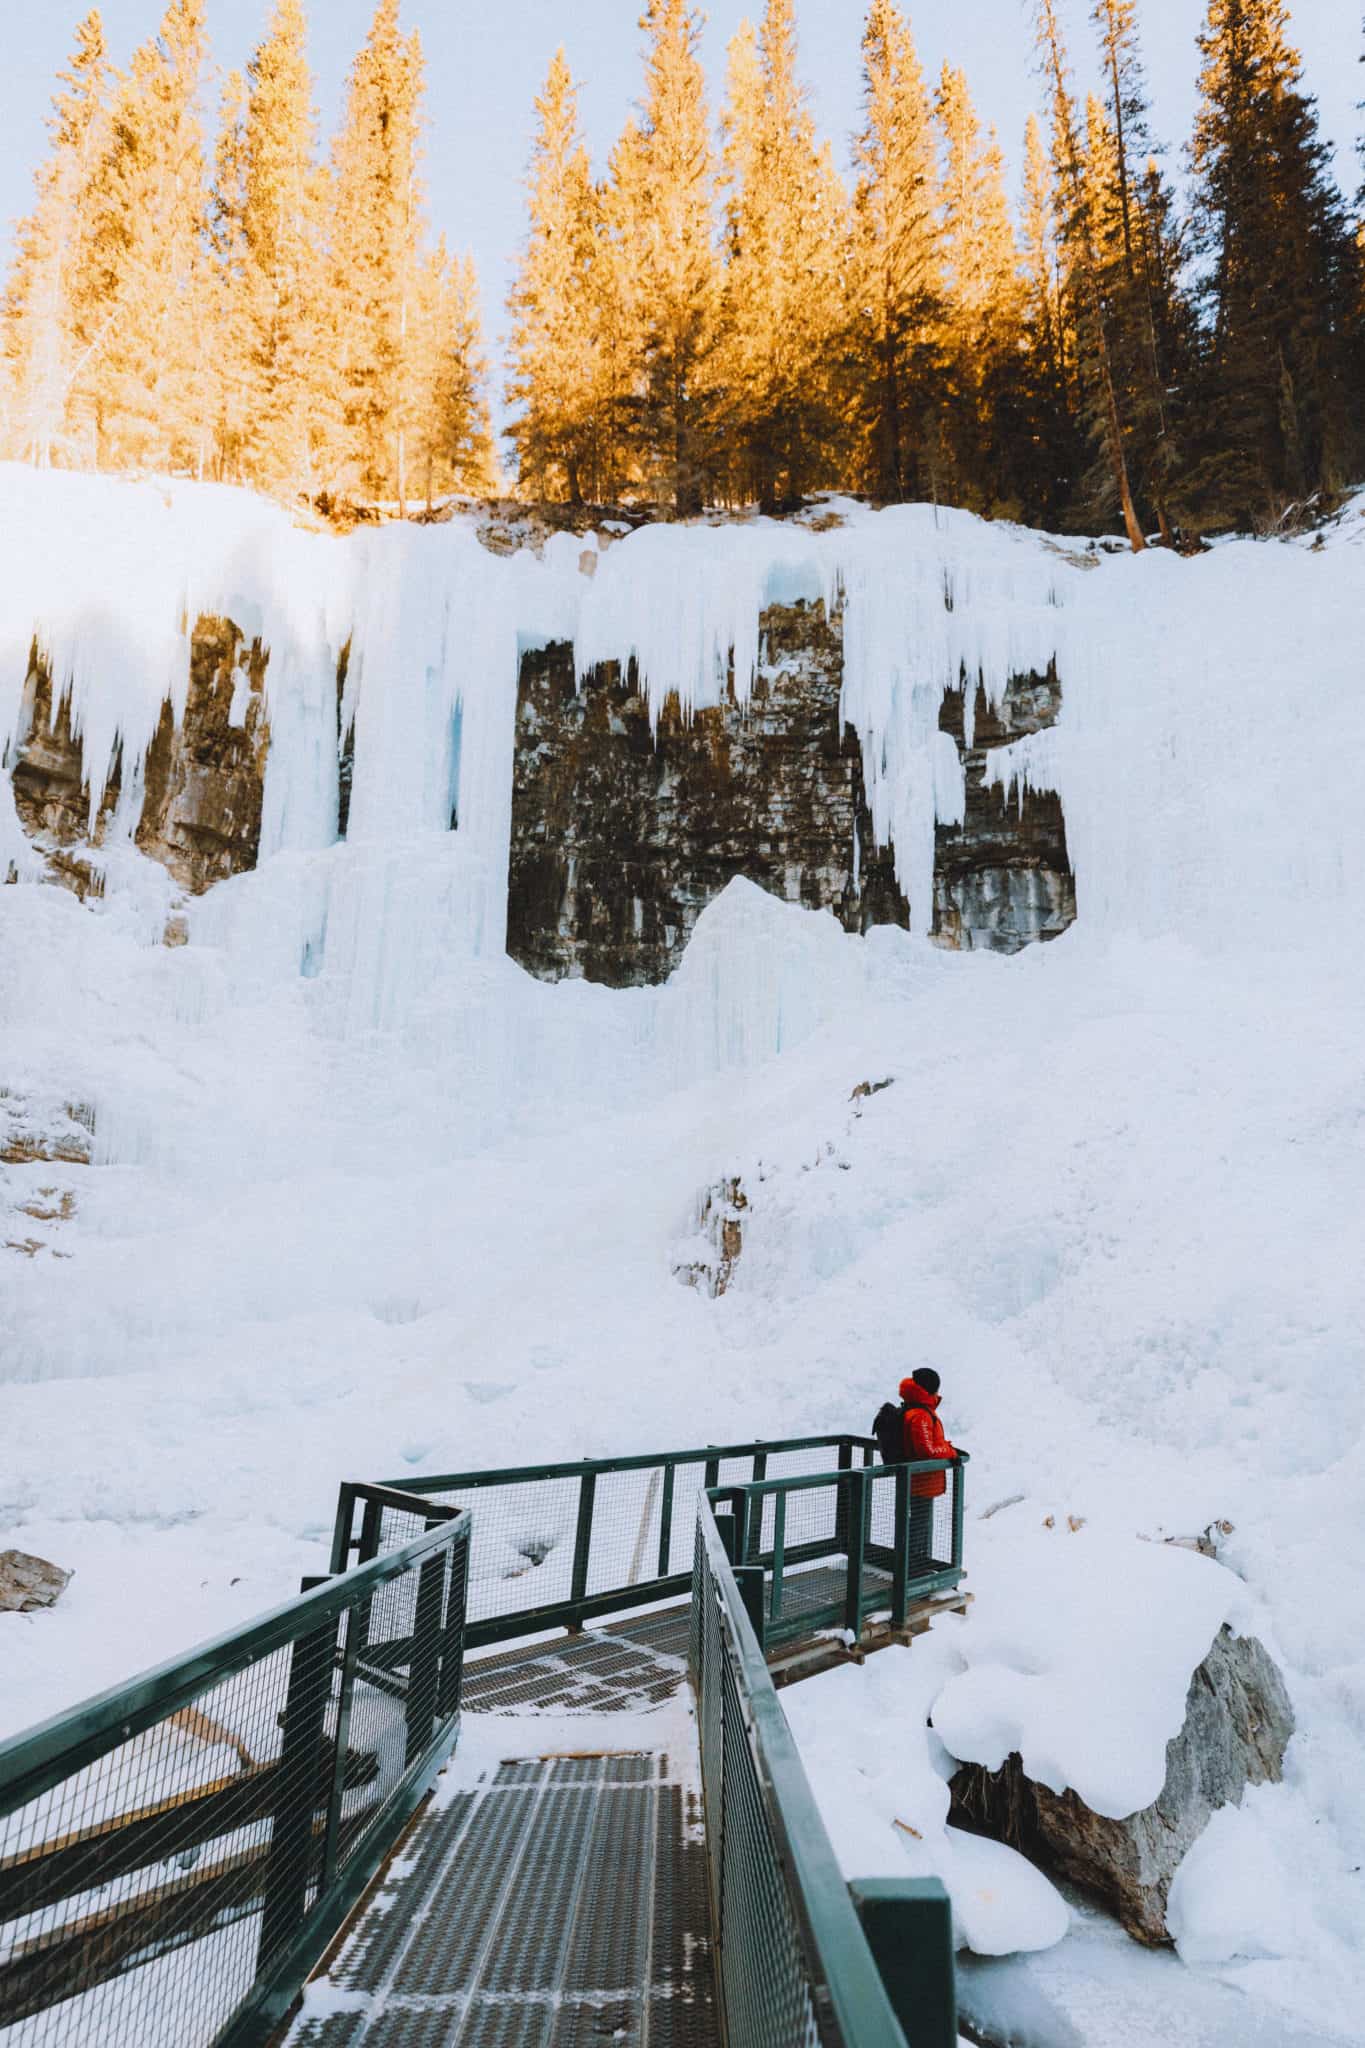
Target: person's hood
<point>916,1396</point>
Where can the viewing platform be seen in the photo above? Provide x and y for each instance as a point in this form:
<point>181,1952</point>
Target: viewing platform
<point>278,1813</point>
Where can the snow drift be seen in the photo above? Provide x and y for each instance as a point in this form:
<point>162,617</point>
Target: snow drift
<point>366,1198</point>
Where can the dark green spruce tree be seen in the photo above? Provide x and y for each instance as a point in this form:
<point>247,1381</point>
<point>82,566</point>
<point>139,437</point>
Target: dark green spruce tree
<point>1278,417</point>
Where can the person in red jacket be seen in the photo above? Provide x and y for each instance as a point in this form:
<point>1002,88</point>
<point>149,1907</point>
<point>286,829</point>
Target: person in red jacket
<point>924,1439</point>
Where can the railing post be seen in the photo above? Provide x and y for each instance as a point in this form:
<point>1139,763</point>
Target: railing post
<point>779,1552</point>
<point>666,1520</point>
<point>342,1540</point>
<point>452,1635</point>
<point>582,1545</point>
<point>959,1509</point>
<point>728,1534</point>
<point>841,1502</point>
<point>289,1859</point>
<point>749,1579</point>
<point>424,1666</point>
<point>350,1624</point>
<point>900,1570</point>
<point>855,1487</point>
<point>908,1922</point>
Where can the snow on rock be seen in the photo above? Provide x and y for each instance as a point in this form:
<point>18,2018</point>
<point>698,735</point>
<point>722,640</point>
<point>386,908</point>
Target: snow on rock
<point>1077,1652</point>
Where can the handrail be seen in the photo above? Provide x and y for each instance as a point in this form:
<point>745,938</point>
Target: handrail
<point>638,1461</point>
<point>257,1782</point>
<point>848,2002</point>
<point>32,1761</point>
<point>561,1545</point>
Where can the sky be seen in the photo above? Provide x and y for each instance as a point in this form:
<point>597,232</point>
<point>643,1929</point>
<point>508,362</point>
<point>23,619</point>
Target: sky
<point>485,64</point>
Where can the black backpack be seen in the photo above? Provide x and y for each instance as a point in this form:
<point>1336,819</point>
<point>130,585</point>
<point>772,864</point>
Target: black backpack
<point>889,1430</point>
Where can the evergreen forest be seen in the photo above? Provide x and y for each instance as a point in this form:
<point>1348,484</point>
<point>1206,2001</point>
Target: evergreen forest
<point>1076,339</point>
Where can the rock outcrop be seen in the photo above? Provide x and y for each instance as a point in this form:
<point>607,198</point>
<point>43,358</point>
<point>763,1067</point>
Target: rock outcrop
<point>621,836</point>
<point>1002,879</point>
<point>200,814</point>
<point>1238,1722</point>
<point>720,1239</point>
<point>27,1582</point>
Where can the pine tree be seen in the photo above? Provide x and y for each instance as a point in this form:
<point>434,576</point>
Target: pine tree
<point>1049,445</point>
<point>786,230</point>
<point>553,346</point>
<point>898,299</point>
<point>1281,272</point>
<point>41,345</point>
<point>287,352</point>
<point>227,237</point>
<point>668,279</point>
<point>984,288</point>
<point>375,249</point>
<point>146,366</point>
<point>1084,233</point>
<point>450,432</point>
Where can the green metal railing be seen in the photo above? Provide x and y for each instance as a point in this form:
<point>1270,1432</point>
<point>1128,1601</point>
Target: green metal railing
<point>831,1550</point>
<point>561,1545</point>
<point>177,1853</point>
<point>804,1959</point>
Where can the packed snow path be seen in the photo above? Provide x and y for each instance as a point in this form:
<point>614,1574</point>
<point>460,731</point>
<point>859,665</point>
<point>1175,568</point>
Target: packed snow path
<point>558,1899</point>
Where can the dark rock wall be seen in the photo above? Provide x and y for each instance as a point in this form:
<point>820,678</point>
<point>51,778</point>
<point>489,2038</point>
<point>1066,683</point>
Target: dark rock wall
<point>1002,879</point>
<point>619,839</point>
<point>201,806</point>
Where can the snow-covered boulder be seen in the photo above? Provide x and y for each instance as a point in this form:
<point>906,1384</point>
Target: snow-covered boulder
<point>1238,1721</point>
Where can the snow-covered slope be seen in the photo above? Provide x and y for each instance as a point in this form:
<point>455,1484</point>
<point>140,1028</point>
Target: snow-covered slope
<point>366,1198</point>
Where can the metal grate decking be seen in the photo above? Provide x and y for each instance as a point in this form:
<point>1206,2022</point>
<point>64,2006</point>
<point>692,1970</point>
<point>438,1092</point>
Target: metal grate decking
<point>563,1902</point>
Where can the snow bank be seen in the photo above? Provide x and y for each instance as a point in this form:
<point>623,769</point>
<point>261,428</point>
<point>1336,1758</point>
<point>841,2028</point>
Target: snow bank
<point>880,1779</point>
<point>1078,1652</point>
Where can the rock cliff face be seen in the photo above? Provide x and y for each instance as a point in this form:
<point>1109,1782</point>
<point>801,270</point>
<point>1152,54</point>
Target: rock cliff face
<point>620,837</point>
<point>200,814</point>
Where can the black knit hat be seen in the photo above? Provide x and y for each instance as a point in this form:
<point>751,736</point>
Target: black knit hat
<point>927,1378</point>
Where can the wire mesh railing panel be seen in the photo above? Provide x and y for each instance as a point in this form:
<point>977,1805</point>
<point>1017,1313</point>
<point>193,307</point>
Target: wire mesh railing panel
<point>168,1852</point>
<point>163,1840</point>
<point>522,1554</point>
<point>765,1987</point>
<point>793,1965</point>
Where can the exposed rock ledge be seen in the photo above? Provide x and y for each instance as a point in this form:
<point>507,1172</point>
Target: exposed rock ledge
<point>1238,1722</point>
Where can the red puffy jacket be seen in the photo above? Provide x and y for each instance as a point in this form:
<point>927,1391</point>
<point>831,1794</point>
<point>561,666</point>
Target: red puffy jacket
<point>924,1438</point>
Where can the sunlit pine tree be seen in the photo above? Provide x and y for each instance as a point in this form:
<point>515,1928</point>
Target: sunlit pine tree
<point>375,249</point>
<point>1082,235</point>
<point>896,328</point>
<point>288,350</point>
<point>41,335</point>
<point>450,430</point>
<point>554,381</point>
<point>786,221</point>
<point>984,295</point>
<point>668,284</point>
<point>148,371</point>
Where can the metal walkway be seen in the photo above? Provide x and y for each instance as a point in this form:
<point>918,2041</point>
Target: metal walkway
<point>561,1903</point>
